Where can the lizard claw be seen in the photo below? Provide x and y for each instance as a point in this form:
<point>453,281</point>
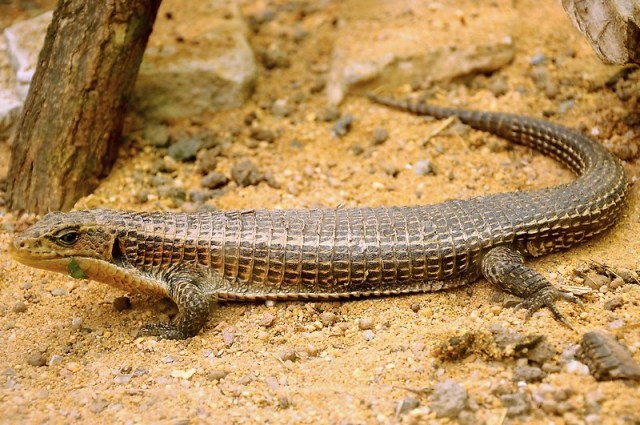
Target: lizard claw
<point>546,297</point>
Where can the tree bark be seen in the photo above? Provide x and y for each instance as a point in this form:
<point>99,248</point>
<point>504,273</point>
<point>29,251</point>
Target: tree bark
<point>67,137</point>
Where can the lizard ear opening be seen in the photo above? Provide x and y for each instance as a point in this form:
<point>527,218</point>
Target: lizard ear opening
<point>116,252</point>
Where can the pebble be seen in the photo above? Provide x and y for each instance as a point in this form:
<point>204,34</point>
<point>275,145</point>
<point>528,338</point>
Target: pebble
<point>499,86</point>
<point>407,405</point>
<point>274,57</point>
<point>55,359</point>
<point>537,59</point>
<point>576,368</point>
<point>566,105</point>
<point>262,134</point>
<point>267,320</point>
<point>517,404</point>
<point>284,402</point>
<point>214,180</point>
<point>331,113</point>
<point>415,307</point>
<point>157,135</point>
<point>365,323</point>
<point>19,307</point>
<point>76,323</point>
<point>617,282</point>
<point>449,399</point>
<point>423,167</point>
<point>380,135</point>
<point>185,149</point>
<point>183,374</point>
<point>368,334</point>
<point>122,303</point>
<point>328,318</point>
<point>528,374</point>
<point>207,160</point>
<point>343,125</point>
<point>287,353</point>
<point>59,292</point>
<point>596,281</point>
<point>613,304</point>
<point>98,406</point>
<point>37,360</point>
<point>280,108</point>
<point>122,379</point>
<point>245,173</point>
<point>216,375</point>
<point>228,335</point>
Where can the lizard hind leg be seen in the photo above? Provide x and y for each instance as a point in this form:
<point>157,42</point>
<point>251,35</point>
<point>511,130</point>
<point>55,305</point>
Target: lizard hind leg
<point>504,267</point>
<point>193,313</point>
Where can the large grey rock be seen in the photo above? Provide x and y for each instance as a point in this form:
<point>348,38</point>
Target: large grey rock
<point>612,27</point>
<point>10,102</point>
<point>24,42</point>
<point>209,67</point>
<point>402,57</point>
<point>188,67</point>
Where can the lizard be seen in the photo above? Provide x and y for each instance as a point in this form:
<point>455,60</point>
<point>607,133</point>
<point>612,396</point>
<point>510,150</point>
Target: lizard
<point>341,253</point>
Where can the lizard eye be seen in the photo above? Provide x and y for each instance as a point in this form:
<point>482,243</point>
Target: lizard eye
<point>69,238</point>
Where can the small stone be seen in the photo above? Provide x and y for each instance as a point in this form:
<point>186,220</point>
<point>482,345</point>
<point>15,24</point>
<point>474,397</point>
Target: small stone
<point>55,359</point>
<point>342,125</point>
<point>122,379</point>
<point>287,353</point>
<point>537,59</point>
<point>517,404</point>
<point>415,307</point>
<point>424,168</point>
<point>330,114</point>
<point>380,135</point>
<point>98,406</point>
<point>228,335</point>
<point>365,323</point>
<point>263,134</point>
<point>76,323</point>
<point>528,374</point>
<point>267,320</point>
<point>214,180</point>
<point>280,108</point>
<point>185,149</point>
<point>499,86</point>
<point>284,402</point>
<point>122,303</point>
<point>368,334</point>
<point>328,318</point>
<point>207,160</point>
<point>566,105</point>
<point>616,283</point>
<point>19,307</point>
<point>245,173</point>
<point>576,368</point>
<point>216,375</point>
<point>37,360</point>
<point>157,135</point>
<point>613,304</point>
<point>407,405</point>
<point>183,374</point>
<point>274,57</point>
<point>448,399</point>
<point>59,292</point>
<point>596,281</point>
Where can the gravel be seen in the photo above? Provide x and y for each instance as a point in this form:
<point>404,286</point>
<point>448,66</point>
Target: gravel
<point>343,125</point>
<point>214,180</point>
<point>517,404</point>
<point>185,149</point>
<point>245,173</point>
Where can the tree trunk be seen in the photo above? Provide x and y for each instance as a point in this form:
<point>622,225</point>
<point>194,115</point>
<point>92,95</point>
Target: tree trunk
<point>67,137</point>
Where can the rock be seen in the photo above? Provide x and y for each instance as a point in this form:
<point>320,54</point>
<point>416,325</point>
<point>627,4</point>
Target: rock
<point>328,318</point>
<point>517,404</point>
<point>216,375</point>
<point>528,374</point>
<point>365,323</point>
<point>537,59</point>
<point>274,57</point>
<point>380,135</point>
<point>401,56</point>
<point>267,320</point>
<point>407,405</point>
<point>19,307</point>
<point>207,160</point>
<point>263,134</point>
<point>185,149</point>
<point>614,303</point>
<point>209,67</point>
<point>37,360</point>
<point>342,125</point>
<point>423,168</point>
<point>245,173</point>
<point>214,180</point>
<point>448,399</point>
<point>368,334</point>
<point>612,27</point>
<point>24,42</point>
<point>156,134</point>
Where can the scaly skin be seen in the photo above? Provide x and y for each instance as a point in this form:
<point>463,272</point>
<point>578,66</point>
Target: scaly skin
<point>329,254</point>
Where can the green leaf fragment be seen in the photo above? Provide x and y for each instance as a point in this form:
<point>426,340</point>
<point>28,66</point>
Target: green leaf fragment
<point>75,271</point>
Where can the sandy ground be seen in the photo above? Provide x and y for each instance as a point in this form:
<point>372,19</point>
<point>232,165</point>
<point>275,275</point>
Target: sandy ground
<point>68,355</point>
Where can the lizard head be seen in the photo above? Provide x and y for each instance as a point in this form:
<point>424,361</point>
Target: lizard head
<point>60,239</point>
